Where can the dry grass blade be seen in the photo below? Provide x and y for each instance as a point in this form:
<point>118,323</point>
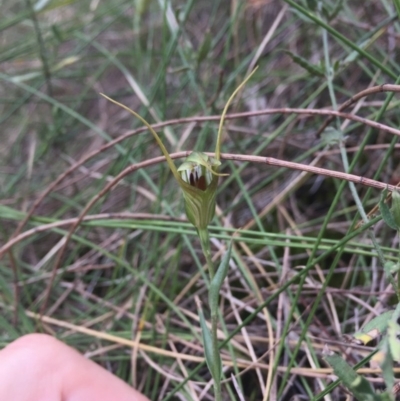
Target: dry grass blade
<point>94,244</point>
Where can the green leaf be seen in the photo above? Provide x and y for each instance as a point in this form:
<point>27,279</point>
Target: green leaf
<point>386,213</point>
<point>204,48</point>
<point>374,328</point>
<point>394,343</point>
<point>391,267</point>
<point>332,136</point>
<point>387,365</point>
<point>395,209</point>
<point>386,396</point>
<point>58,34</point>
<point>394,334</point>
<point>358,385</point>
<point>213,367</point>
<point>218,279</point>
<point>302,62</point>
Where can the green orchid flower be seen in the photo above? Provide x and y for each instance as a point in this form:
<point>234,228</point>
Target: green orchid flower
<point>198,175</point>
<point>198,178</point>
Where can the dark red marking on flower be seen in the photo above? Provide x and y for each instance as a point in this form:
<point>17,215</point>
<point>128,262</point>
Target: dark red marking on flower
<point>198,182</point>
<point>201,183</point>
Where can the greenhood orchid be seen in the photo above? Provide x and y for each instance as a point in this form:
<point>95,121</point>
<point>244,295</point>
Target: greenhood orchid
<point>198,174</point>
<point>198,178</point>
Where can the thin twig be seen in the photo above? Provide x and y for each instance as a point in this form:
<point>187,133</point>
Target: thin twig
<point>310,112</point>
<point>357,97</point>
<point>92,202</point>
<point>255,159</point>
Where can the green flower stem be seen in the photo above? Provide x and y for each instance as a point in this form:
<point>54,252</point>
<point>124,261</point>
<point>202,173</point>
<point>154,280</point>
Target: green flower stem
<point>205,246</point>
<point>198,179</point>
<point>202,231</point>
<point>215,346</point>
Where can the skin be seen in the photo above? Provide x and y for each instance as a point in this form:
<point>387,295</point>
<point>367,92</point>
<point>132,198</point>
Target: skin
<point>37,367</point>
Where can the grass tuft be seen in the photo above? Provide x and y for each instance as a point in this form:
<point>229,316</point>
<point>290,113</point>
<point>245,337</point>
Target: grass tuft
<point>308,257</point>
